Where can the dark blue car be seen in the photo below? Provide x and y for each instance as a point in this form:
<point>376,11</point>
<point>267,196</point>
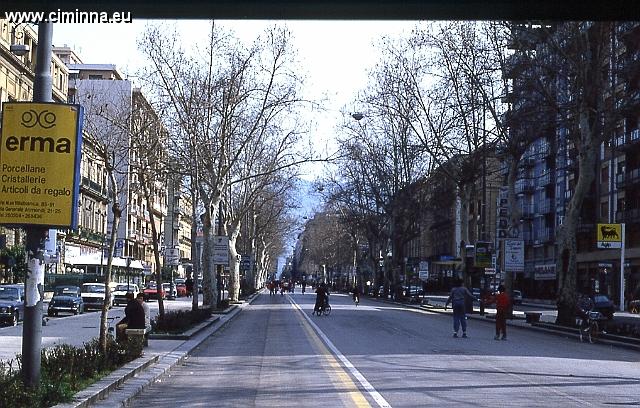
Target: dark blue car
<point>11,304</point>
<point>66,299</point>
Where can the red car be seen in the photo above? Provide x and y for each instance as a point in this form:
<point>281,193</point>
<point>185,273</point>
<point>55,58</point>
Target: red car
<point>181,288</point>
<point>151,292</point>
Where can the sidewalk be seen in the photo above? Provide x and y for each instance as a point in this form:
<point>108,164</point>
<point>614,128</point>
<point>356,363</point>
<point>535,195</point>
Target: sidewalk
<point>546,324</point>
<point>158,358</point>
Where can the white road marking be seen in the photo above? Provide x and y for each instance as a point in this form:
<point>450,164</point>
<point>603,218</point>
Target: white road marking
<point>379,399</point>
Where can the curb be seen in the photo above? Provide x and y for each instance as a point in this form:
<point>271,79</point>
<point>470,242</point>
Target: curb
<point>101,388</point>
<point>186,335</point>
<point>131,382</point>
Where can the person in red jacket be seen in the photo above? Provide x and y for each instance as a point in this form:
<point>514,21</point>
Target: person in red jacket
<point>503,302</point>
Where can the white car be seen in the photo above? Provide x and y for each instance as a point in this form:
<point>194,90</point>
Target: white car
<point>517,297</point>
<point>120,293</point>
<point>93,295</point>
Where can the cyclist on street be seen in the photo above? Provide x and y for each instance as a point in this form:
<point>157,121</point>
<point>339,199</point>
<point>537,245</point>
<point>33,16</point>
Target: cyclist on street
<point>356,295</point>
<point>322,299</point>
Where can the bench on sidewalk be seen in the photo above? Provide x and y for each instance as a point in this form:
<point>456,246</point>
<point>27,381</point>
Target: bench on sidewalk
<point>137,339</point>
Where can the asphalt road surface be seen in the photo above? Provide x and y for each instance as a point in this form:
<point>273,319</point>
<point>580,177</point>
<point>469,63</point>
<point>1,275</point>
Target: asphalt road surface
<point>276,354</point>
<point>73,330</point>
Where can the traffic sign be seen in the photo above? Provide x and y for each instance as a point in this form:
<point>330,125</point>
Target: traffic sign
<point>220,250</point>
<point>172,256</point>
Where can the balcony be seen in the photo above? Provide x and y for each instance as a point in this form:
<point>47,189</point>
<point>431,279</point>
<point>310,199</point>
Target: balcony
<point>527,211</point>
<point>527,236</point>
<point>543,151</point>
<point>88,235</point>
<point>134,210</point>
<point>524,186</point>
<point>545,179</point>
<point>528,162</point>
<point>630,140</point>
<point>93,187</point>
<point>631,103</point>
<point>544,207</point>
<point>544,235</point>
<point>630,215</point>
<point>628,179</point>
<point>515,64</point>
<point>568,194</point>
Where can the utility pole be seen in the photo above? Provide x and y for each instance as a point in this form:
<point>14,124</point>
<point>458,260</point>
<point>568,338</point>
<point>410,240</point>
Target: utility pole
<point>36,235</point>
<point>483,234</point>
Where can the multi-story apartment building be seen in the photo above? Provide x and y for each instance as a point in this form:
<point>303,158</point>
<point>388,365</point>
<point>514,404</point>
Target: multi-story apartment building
<point>75,82</point>
<point>548,174</point>
<point>440,239</point>
<point>112,104</point>
<point>177,226</point>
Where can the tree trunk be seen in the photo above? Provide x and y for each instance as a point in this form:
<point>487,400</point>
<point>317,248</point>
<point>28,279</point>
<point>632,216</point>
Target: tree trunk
<point>154,240</point>
<point>566,267</point>
<point>209,298</point>
<point>234,265</point>
<point>465,193</point>
<point>514,215</point>
<point>117,213</point>
<point>195,262</point>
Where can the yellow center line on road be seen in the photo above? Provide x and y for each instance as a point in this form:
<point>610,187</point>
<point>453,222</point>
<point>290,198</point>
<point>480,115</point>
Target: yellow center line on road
<point>344,369</point>
<point>338,375</point>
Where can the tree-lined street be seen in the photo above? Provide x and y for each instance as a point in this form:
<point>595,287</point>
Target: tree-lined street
<point>275,353</point>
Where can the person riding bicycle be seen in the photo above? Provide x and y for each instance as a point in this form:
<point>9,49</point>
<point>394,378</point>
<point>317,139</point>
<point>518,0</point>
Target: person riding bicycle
<point>322,299</point>
<point>584,305</point>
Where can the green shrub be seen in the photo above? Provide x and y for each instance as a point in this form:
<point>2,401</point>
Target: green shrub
<point>178,321</point>
<point>64,371</point>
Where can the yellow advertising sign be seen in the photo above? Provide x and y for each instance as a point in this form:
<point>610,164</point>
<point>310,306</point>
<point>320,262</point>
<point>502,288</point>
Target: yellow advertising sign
<point>40,147</point>
<point>609,232</point>
<point>609,236</point>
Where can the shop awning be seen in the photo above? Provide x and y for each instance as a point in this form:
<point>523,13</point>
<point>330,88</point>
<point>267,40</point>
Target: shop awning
<point>97,259</point>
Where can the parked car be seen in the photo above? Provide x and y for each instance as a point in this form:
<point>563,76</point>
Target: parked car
<point>170,290</point>
<point>517,297</point>
<point>604,305</point>
<point>181,288</point>
<point>93,295</point>
<point>11,304</point>
<point>120,293</point>
<point>66,299</point>
<point>476,292</point>
<point>151,292</point>
<point>413,291</point>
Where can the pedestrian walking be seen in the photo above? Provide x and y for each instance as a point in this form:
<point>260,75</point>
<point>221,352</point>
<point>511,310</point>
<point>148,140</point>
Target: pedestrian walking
<point>457,299</point>
<point>503,302</point>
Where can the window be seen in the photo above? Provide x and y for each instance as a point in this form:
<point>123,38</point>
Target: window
<point>604,210</point>
<point>95,76</point>
<point>604,174</point>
